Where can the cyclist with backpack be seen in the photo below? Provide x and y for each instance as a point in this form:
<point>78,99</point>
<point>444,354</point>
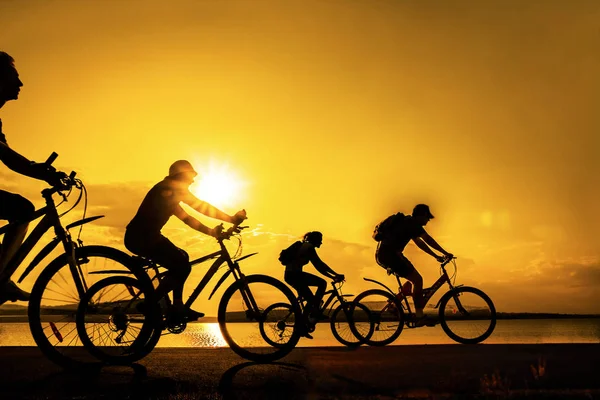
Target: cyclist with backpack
<point>393,234</point>
<point>294,258</point>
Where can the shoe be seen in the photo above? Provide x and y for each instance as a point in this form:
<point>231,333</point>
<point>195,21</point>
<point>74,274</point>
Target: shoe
<point>304,333</point>
<point>193,315</point>
<point>425,321</point>
<point>11,292</point>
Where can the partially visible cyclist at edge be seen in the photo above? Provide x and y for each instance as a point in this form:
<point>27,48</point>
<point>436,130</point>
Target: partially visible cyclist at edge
<point>304,253</point>
<point>390,253</point>
<point>13,207</point>
<point>143,234</point>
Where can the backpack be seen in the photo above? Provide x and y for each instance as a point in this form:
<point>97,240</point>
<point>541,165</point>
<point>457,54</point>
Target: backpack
<point>287,255</point>
<point>385,229</point>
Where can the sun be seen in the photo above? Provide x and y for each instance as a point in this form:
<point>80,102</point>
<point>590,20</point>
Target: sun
<point>218,185</point>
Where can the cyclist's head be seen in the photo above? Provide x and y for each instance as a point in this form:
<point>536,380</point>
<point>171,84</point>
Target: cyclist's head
<point>182,170</point>
<point>315,238</point>
<point>422,214</point>
<point>10,83</point>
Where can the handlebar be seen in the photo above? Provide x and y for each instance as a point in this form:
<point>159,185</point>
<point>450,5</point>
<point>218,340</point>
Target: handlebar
<point>66,183</point>
<point>51,159</point>
<point>447,260</point>
<point>221,235</point>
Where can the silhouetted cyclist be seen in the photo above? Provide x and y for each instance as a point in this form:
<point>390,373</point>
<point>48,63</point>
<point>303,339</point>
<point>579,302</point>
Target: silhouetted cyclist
<point>143,234</point>
<point>14,207</point>
<point>390,251</point>
<point>301,281</point>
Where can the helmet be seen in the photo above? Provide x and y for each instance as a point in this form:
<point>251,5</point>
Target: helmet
<point>181,166</point>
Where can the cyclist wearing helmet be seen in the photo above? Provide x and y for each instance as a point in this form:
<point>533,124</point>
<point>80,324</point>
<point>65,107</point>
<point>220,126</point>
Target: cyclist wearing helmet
<point>389,253</point>
<point>13,207</point>
<point>301,281</point>
<point>143,234</point>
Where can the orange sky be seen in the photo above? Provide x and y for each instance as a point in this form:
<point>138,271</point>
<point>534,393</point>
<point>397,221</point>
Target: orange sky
<point>332,115</point>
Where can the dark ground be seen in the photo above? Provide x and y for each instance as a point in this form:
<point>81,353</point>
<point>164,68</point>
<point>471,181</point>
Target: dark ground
<point>427,371</point>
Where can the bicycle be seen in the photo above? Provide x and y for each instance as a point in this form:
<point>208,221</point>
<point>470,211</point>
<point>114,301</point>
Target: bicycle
<point>467,315</point>
<point>57,290</point>
<point>281,324</point>
<point>127,332</point>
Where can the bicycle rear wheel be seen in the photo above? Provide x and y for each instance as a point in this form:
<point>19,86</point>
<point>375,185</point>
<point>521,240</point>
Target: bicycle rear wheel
<point>116,319</point>
<point>351,324</point>
<point>386,313</point>
<point>242,312</point>
<point>467,315</point>
<point>278,324</point>
<point>54,301</point>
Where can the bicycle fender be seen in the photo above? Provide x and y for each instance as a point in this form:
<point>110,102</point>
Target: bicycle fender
<point>39,257</point>
<point>221,280</point>
<point>83,221</point>
<point>380,284</point>
<point>246,256</point>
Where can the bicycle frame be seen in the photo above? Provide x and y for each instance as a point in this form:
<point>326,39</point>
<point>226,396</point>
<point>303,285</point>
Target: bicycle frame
<point>334,298</point>
<point>50,219</point>
<point>427,292</point>
<point>222,257</point>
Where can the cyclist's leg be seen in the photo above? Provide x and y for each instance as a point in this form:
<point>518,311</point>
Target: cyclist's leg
<point>313,280</point>
<point>13,208</point>
<point>160,250</point>
<point>388,257</point>
<point>404,268</point>
<point>177,262</point>
<point>296,280</point>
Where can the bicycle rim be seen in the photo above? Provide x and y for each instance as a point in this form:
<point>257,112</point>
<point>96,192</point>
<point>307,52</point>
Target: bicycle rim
<point>467,315</point>
<point>54,301</point>
<point>386,315</point>
<point>116,319</point>
<point>240,322</point>
<point>278,324</point>
<point>351,324</point>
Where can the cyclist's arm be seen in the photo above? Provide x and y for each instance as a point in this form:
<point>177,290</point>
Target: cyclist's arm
<point>19,163</point>
<point>431,242</point>
<point>321,266</point>
<point>206,208</point>
<point>423,246</point>
<point>191,221</point>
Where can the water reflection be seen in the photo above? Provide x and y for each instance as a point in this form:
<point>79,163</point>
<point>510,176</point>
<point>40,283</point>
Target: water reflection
<point>506,332</point>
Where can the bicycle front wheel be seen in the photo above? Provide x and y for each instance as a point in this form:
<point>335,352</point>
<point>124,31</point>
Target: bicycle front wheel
<point>242,312</point>
<point>386,313</point>
<point>55,298</point>
<point>116,319</point>
<point>351,324</point>
<point>467,315</point>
